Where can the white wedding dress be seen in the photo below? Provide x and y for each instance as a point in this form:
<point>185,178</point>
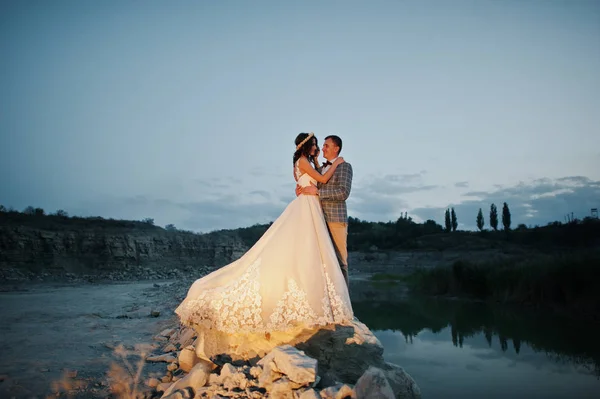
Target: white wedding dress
<point>290,278</point>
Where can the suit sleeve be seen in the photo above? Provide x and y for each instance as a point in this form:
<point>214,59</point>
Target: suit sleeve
<point>340,191</point>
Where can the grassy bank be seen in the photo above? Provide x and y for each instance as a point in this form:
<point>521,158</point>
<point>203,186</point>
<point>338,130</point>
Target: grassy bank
<point>567,281</point>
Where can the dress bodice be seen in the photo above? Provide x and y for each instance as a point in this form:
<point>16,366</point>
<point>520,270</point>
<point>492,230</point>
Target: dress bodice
<point>303,179</point>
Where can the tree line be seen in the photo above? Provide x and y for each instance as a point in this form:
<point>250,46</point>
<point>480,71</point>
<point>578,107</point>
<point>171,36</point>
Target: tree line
<point>451,221</point>
<point>362,235</point>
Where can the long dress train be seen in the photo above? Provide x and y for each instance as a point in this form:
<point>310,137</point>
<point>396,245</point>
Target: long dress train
<point>290,278</point>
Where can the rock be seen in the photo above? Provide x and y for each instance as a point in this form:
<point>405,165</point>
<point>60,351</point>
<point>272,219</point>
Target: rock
<point>168,332</point>
<point>187,358</point>
<point>186,337</point>
<point>230,378</point>
<point>185,393</point>
<point>338,391</point>
<point>332,358</point>
<point>373,385</point>
<point>403,385</point>
<point>170,348</point>
<point>268,375</point>
<point>255,371</point>
<point>309,394</point>
<point>228,370</point>
<point>282,389</point>
<point>154,313</point>
<point>344,352</point>
<point>214,379</point>
<point>168,358</point>
<point>162,387</point>
<point>152,382</point>
<point>196,378</point>
<point>172,366</point>
<point>292,362</point>
<point>345,392</point>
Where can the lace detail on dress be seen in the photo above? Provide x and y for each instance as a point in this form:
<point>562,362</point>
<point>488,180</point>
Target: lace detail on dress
<point>232,308</point>
<point>333,306</point>
<point>297,170</point>
<point>292,309</point>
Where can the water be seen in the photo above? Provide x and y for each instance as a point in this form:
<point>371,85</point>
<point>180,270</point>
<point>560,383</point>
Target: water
<point>472,350</point>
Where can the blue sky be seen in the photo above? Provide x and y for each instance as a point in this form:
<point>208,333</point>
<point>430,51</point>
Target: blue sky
<point>186,111</point>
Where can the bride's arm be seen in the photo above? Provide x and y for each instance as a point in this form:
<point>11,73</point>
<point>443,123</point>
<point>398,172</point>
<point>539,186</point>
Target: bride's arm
<point>306,167</point>
<point>317,163</point>
<point>315,159</point>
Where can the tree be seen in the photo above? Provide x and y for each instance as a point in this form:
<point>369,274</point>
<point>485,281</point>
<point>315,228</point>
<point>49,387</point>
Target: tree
<point>454,221</point>
<point>431,227</point>
<point>494,217</point>
<point>170,227</point>
<point>150,221</point>
<point>29,210</point>
<point>62,213</point>
<point>39,212</point>
<point>2,208</point>
<point>480,221</point>
<point>448,221</point>
<point>506,217</point>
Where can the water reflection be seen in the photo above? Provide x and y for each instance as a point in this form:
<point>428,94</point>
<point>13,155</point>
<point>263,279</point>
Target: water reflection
<point>465,348</point>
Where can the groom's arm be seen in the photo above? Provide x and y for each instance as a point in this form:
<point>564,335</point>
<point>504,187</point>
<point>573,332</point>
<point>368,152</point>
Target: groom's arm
<point>340,191</point>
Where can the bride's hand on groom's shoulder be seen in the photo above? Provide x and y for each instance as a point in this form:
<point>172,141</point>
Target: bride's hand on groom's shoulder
<point>338,161</point>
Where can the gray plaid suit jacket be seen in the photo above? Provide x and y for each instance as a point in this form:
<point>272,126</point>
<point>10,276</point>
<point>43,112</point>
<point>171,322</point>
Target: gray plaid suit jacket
<point>334,194</point>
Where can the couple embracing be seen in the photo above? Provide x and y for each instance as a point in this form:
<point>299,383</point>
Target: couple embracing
<point>296,274</point>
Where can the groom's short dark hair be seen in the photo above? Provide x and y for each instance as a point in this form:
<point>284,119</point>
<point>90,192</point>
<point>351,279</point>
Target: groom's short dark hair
<point>336,140</point>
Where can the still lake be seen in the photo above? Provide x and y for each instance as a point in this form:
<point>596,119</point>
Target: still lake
<point>465,349</point>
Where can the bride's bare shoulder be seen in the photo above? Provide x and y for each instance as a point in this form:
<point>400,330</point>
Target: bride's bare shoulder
<point>303,163</point>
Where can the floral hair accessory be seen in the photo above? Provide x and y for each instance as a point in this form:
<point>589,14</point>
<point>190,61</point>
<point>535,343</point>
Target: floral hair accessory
<point>310,135</point>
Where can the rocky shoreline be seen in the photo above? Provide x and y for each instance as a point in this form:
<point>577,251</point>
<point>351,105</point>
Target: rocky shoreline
<point>341,361</point>
<point>16,276</point>
<point>104,315</point>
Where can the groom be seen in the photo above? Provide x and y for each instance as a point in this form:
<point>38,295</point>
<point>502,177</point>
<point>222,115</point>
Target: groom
<point>333,196</point>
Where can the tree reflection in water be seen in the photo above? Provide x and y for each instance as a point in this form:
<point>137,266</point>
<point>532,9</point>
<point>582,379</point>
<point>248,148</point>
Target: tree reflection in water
<point>563,339</point>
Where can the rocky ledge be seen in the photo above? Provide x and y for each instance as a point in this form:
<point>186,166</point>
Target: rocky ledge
<point>335,362</point>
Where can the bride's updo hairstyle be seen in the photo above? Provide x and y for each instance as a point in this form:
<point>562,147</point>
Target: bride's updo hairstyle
<point>305,141</point>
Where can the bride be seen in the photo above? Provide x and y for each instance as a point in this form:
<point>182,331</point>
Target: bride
<point>289,279</point>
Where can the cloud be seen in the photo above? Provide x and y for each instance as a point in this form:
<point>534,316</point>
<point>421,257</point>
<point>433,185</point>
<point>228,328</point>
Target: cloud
<point>375,208</point>
<point>208,214</point>
<point>396,184</point>
<point>215,184</point>
<point>381,198</point>
<point>475,194</point>
<point>461,184</point>
<point>227,213</point>
<point>535,203</point>
<point>262,172</point>
<point>261,193</point>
